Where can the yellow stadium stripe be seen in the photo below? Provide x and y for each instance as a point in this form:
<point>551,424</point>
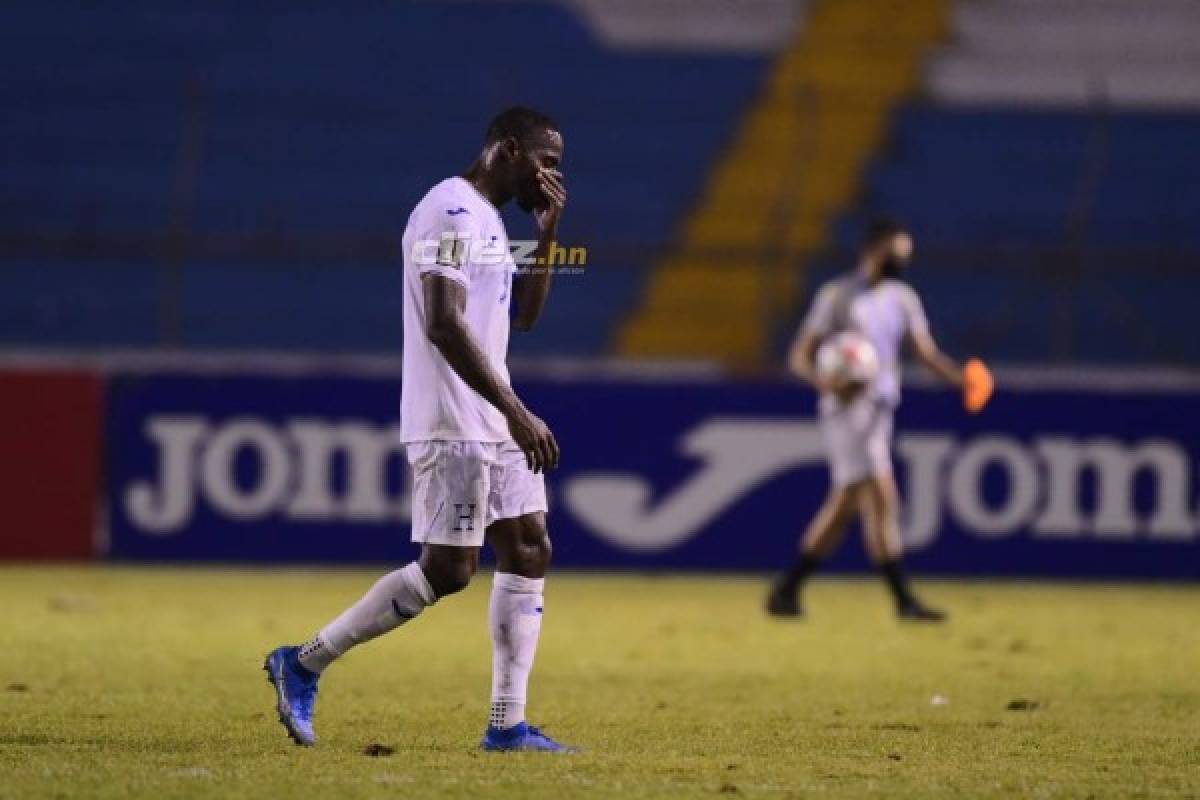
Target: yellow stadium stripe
<point>794,163</point>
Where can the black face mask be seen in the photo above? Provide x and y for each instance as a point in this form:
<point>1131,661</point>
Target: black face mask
<point>893,267</point>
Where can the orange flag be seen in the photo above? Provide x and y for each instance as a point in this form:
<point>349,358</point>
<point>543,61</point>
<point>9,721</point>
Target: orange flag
<point>977,385</point>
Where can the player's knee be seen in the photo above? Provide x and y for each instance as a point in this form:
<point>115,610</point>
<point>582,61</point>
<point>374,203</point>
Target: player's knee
<point>531,554</point>
<point>542,550</point>
<point>880,493</point>
<point>455,579</point>
<point>842,503</point>
<point>534,551</point>
<point>449,573</point>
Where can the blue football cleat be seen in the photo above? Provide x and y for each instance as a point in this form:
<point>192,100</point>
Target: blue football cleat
<point>521,737</point>
<point>296,692</point>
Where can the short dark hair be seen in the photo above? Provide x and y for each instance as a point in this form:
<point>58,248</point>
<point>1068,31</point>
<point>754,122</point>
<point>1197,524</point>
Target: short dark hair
<point>519,122</point>
<point>881,229</point>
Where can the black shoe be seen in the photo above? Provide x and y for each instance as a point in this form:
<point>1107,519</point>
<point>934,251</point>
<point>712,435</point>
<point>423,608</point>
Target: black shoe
<point>914,611</point>
<point>782,602</point>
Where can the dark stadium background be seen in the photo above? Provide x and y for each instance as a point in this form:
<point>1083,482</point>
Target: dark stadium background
<point>194,192</point>
<point>201,206</point>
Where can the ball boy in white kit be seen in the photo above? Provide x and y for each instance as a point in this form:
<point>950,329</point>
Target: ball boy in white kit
<point>856,419</point>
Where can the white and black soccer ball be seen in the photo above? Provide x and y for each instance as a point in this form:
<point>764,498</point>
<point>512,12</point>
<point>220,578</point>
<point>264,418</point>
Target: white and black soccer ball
<point>848,354</point>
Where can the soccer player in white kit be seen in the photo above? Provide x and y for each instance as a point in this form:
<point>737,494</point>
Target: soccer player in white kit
<point>856,419</point>
<point>476,452</point>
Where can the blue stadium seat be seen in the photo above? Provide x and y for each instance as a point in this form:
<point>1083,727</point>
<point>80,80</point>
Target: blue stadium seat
<point>331,122</point>
<point>1058,214</point>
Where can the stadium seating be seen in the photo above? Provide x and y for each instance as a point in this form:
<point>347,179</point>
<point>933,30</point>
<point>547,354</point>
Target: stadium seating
<point>1043,172</point>
<point>795,161</point>
<point>298,124</point>
<point>1039,162</point>
<point>1071,52</point>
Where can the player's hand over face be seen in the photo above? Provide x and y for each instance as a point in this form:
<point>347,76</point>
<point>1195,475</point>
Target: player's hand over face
<point>534,438</point>
<point>551,183</point>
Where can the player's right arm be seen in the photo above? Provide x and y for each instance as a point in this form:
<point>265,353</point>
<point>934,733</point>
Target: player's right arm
<point>802,357</point>
<point>445,300</point>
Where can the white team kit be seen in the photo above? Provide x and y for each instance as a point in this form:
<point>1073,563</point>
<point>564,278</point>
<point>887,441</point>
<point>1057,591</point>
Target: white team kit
<point>858,434</point>
<point>467,471</point>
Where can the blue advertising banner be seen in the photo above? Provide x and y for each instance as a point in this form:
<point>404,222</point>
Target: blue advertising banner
<point>719,474</point>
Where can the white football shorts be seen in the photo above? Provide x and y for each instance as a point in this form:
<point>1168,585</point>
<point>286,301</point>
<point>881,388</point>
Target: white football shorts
<point>858,440</point>
<point>460,488</point>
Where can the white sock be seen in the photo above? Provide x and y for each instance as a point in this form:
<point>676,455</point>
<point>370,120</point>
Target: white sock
<point>394,599</point>
<point>515,617</point>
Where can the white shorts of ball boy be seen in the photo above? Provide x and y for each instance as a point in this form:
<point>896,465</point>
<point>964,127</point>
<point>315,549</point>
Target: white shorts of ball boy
<point>460,488</point>
<point>858,439</point>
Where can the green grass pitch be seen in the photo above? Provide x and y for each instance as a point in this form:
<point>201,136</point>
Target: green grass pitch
<point>126,682</point>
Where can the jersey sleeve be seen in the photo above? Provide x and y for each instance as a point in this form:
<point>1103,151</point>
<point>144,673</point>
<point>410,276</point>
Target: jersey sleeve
<point>819,319</point>
<point>916,323</point>
<point>447,237</point>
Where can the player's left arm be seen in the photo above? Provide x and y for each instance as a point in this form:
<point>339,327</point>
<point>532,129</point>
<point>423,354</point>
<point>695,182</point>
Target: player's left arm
<point>937,362</point>
<point>532,287</point>
<point>923,344</point>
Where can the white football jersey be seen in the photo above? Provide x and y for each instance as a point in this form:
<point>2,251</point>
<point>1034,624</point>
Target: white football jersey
<point>886,313</point>
<point>457,233</point>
